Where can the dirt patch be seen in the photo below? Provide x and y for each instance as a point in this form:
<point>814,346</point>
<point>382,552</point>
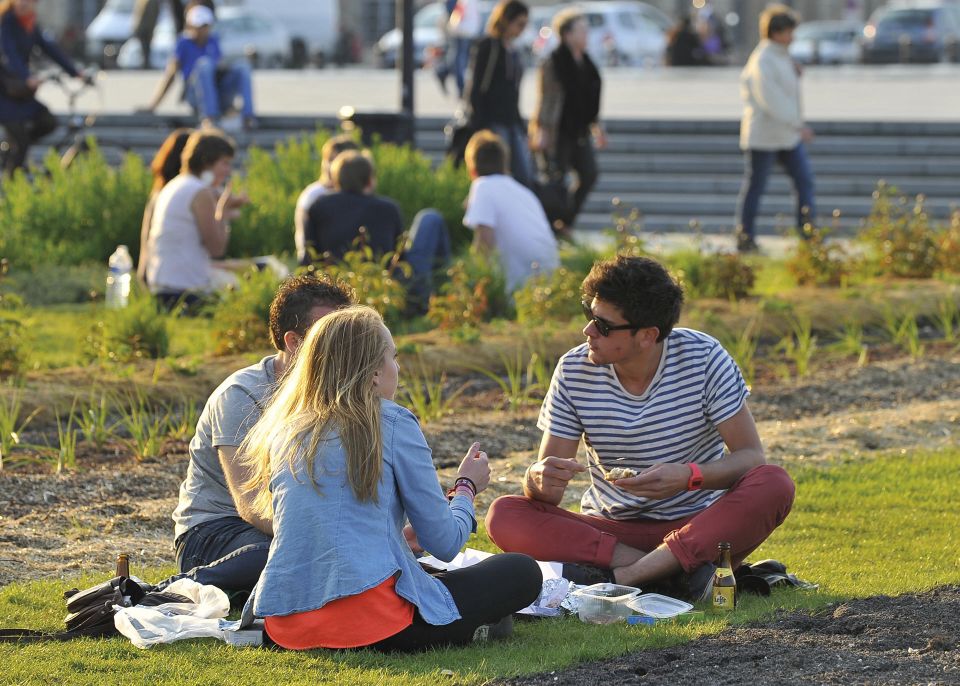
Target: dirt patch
<point>908,639</point>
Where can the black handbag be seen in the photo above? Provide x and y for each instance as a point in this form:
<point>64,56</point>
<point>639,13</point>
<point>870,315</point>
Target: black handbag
<point>14,87</point>
<point>554,195</point>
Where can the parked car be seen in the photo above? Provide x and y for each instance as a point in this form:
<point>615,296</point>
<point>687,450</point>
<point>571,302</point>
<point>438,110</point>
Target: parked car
<point>242,34</point>
<point>429,40</point>
<point>313,25</point>
<point>827,42</point>
<point>913,32</point>
<point>112,26</point>
<point>620,33</point>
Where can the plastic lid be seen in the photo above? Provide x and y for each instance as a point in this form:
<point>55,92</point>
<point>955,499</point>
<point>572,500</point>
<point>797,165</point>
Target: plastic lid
<point>659,606</point>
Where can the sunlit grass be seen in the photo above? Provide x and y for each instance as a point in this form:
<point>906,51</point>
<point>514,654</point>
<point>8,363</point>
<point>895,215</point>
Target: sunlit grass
<point>882,525</point>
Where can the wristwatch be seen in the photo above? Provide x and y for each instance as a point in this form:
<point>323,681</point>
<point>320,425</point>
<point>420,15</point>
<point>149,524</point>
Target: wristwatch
<point>696,478</point>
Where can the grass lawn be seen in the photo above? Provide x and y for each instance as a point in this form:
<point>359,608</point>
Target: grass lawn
<point>882,525</point>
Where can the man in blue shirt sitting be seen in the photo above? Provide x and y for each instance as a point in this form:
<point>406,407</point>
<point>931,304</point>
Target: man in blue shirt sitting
<point>210,84</point>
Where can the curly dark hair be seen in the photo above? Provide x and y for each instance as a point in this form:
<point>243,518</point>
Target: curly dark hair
<point>299,294</point>
<point>640,288</point>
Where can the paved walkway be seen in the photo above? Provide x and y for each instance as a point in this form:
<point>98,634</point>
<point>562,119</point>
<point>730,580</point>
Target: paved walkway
<point>876,93</point>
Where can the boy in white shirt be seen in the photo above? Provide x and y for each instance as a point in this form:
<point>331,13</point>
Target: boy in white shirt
<point>505,215</point>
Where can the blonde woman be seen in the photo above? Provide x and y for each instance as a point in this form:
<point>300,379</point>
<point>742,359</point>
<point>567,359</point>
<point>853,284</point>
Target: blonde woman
<point>339,467</point>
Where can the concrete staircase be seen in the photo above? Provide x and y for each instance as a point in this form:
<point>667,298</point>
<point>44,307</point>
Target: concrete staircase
<point>680,172</point>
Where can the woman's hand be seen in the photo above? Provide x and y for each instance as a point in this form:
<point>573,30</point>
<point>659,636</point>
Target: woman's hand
<point>33,83</point>
<point>476,467</point>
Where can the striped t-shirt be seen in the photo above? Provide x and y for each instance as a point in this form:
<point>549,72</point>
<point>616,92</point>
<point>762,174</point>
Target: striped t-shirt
<point>696,387</point>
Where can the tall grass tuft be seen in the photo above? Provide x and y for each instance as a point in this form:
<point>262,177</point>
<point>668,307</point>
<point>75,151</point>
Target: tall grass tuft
<point>525,381</point>
<point>241,314</point>
<point>742,347</point>
<point>11,422</point>
<point>948,318</point>
<point>800,345</point>
<point>93,419</point>
<point>144,425</point>
<point>141,330</point>
<point>66,441</point>
<point>423,391</point>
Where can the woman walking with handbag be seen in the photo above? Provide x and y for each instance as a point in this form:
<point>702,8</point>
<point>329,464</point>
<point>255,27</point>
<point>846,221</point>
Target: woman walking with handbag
<point>25,119</point>
<point>565,122</point>
<point>338,467</point>
<point>493,93</point>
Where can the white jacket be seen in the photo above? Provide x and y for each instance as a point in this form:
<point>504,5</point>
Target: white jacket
<point>770,90</point>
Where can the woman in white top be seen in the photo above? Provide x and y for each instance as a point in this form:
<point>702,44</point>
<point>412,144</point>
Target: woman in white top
<point>772,129</point>
<point>190,225</point>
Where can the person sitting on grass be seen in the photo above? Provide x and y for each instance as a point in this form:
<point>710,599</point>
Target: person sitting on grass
<point>660,401</point>
<point>336,220</point>
<point>331,149</point>
<point>190,224</point>
<point>164,168</point>
<point>505,215</point>
<point>338,467</point>
<point>220,539</point>
<point>210,84</point>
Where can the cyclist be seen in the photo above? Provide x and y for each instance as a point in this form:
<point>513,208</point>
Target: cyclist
<point>25,118</point>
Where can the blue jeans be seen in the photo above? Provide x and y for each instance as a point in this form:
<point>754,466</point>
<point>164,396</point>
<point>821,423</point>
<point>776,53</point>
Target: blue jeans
<point>211,90</point>
<point>521,164</point>
<point>227,553</point>
<point>427,250</point>
<point>759,163</point>
<point>461,58</point>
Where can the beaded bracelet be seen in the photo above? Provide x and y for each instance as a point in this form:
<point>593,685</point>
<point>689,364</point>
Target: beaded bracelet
<point>466,481</point>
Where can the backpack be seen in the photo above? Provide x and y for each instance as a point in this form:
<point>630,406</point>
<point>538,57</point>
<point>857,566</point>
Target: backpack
<point>90,612</point>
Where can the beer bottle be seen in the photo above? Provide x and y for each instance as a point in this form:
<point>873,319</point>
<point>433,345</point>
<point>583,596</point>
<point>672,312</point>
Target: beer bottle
<point>123,565</point>
<point>724,584</point>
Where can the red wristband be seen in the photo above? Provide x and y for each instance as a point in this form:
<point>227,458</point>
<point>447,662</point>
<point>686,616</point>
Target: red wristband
<point>696,478</point>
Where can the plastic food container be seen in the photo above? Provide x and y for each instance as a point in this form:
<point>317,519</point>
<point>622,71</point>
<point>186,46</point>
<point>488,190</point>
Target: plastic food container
<point>605,603</point>
<point>658,606</point>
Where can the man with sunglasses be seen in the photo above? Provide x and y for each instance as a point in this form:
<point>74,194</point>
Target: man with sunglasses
<point>663,402</point>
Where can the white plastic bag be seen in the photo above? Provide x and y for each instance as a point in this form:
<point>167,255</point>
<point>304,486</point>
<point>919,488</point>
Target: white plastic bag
<point>201,618</point>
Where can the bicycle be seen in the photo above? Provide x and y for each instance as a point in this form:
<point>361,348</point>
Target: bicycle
<point>78,135</point>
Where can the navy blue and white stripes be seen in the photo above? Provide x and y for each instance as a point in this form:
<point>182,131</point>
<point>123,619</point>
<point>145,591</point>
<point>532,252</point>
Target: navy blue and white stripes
<point>697,386</point>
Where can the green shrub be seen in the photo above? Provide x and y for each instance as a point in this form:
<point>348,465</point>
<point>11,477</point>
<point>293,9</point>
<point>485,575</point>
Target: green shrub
<point>548,297</point>
<point>901,241</point>
<point>274,180</point>
<point>409,177</point>
<point>377,282</point>
<point>55,284</point>
<point>475,292</point>
<point>715,275</point>
<point>241,314</point>
<point>75,215</point>
<point>815,262</point>
<point>12,355</point>
<point>139,330</point>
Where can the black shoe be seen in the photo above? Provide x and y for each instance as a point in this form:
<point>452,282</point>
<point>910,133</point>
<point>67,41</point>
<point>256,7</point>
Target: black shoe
<point>587,575</point>
<point>492,632</point>
<point>746,244</point>
<point>696,585</point>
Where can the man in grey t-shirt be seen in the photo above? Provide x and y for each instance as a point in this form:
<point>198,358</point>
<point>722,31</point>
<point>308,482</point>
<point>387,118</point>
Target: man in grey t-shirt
<point>219,540</point>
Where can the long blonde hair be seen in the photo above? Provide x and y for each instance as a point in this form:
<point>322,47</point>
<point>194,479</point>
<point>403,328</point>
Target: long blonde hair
<point>330,387</point>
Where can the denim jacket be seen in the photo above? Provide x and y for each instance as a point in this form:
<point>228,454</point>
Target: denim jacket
<point>329,545</point>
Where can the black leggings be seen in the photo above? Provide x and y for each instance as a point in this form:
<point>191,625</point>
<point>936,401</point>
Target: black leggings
<point>484,593</point>
<point>22,134</point>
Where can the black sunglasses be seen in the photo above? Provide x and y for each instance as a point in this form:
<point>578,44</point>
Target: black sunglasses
<point>602,325</point>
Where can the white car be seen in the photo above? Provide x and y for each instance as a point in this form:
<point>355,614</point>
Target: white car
<point>620,33</point>
<point>242,34</point>
<point>826,42</point>
<point>108,31</point>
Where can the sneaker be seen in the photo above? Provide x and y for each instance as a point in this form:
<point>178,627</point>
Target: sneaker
<point>492,632</point>
<point>587,575</point>
<point>697,584</point>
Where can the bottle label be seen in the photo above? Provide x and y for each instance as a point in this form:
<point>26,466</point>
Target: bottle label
<point>722,572</point>
<point>724,597</point>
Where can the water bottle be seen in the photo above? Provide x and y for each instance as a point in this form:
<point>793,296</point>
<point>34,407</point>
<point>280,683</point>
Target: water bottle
<point>118,278</point>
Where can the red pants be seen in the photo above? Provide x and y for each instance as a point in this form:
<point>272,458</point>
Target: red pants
<point>744,516</point>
